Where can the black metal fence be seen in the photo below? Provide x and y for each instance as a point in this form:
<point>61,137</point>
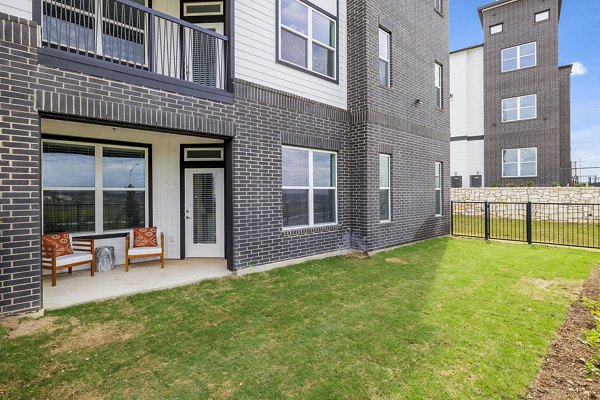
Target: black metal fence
<point>566,224</point>
<point>588,176</point>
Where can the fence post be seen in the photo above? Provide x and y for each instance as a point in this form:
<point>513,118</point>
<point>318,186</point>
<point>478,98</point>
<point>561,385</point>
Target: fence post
<point>452,218</point>
<point>528,223</point>
<point>486,220</point>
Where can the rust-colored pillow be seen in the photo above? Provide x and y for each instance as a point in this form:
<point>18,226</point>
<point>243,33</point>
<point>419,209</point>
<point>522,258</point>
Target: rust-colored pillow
<point>62,241</point>
<point>144,237</point>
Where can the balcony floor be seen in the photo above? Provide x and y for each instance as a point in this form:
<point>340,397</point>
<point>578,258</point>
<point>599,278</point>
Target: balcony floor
<point>80,287</point>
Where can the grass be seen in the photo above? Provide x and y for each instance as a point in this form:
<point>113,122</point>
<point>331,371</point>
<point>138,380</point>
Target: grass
<point>563,233</point>
<point>445,318</point>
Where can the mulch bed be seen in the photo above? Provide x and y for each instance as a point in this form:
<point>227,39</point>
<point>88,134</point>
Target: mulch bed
<point>563,375</point>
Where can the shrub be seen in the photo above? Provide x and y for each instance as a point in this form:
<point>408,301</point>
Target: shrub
<point>592,337</point>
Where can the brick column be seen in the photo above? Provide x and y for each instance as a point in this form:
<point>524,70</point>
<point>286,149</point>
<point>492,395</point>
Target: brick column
<point>20,276</point>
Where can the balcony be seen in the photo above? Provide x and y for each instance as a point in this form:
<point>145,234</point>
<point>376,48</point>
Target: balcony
<point>123,40</point>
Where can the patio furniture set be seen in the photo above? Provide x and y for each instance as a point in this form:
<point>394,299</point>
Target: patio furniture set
<point>63,251</point>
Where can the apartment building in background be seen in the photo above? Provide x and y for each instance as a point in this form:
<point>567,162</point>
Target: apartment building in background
<point>510,100</point>
<point>254,132</point>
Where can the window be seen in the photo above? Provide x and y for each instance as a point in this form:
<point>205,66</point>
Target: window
<point>438,188</point>
<point>438,5</point>
<point>439,71</point>
<point>309,187</point>
<point>384,188</point>
<point>307,38</point>
<point>519,163</point>
<point>496,29</point>
<point>519,108</point>
<point>384,58</point>
<point>103,191</point>
<point>204,154</point>
<point>542,16</point>
<point>203,9</point>
<point>518,57</point>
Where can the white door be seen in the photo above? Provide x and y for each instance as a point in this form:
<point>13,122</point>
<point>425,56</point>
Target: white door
<point>204,212</point>
<point>208,57</point>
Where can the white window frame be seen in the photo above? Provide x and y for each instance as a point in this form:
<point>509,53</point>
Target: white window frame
<point>438,5</point>
<point>439,166</point>
<point>519,162</point>
<point>498,28</point>
<point>388,187</point>
<point>518,57</point>
<point>519,108</point>
<point>439,86</point>
<point>310,41</point>
<point>99,188</point>
<point>541,16</point>
<point>311,189</point>
<point>387,60</point>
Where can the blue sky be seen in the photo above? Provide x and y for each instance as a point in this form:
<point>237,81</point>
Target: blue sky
<point>579,41</point>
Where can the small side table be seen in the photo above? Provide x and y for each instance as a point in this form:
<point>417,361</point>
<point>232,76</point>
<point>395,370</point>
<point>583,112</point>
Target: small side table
<point>104,258</point>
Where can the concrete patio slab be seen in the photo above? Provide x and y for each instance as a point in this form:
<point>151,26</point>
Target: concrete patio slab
<point>80,287</point>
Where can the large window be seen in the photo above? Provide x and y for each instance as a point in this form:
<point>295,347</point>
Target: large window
<point>519,108</point>
<point>307,38</point>
<point>523,56</point>
<point>309,187</point>
<point>519,163</point>
<point>384,58</point>
<point>438,188</point>
<point>384,188</point>
<point>439,84</point>
<point>93,188</point>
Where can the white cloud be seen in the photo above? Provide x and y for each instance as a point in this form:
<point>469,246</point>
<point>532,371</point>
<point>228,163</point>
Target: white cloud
<point>578,69</point>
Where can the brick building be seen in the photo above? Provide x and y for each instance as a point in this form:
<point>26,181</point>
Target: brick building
<point>511,100</point>
<point>320,129</point>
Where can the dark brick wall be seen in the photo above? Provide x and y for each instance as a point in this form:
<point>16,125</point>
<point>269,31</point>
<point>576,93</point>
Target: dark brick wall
<point>544,131</point>
<point>20,287</point>
<point>387,120</point>
<point>259,122</point>
<point>267,119</point>
<point>565,125</point>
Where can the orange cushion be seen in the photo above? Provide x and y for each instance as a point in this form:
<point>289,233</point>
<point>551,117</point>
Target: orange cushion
<point>144,237</point>
<point>61,241</point>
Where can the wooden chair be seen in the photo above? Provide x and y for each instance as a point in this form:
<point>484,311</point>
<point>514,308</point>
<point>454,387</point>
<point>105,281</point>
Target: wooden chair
<point>144,252</point>
<point>83,253</point>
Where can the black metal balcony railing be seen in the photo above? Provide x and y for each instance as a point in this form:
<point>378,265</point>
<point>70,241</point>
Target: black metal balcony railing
<point>126,33</point>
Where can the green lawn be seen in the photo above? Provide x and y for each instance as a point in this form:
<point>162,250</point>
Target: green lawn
<point>563,233</point>
<point>442,319</point>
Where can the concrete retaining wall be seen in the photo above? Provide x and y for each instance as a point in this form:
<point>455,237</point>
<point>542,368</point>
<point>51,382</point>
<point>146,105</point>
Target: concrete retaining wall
<point>560,204</point>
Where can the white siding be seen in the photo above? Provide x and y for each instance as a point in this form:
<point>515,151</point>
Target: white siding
<point>18,8</point>
<point>466,88</point>
<point>165,175</point>
<point>171,7</point>
<point>466,113</point>
<point>255,53</point>
<point>466,159</point>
